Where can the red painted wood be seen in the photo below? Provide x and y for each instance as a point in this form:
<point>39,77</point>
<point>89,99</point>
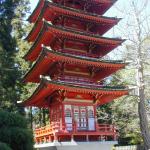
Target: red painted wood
<point>51,33</point>
<point>71,89</point>
<point>36,12</point>
<point>79,20</point>
<point>74,70</point>
<point>103,131</point>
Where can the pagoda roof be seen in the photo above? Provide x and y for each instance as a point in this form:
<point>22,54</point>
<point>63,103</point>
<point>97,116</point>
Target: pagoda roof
<point>47,88</point>
<point>51,10</point>
<point>48,57</point>
<point>33,17</point>
<point>55,10</point>
<point>49,32</point>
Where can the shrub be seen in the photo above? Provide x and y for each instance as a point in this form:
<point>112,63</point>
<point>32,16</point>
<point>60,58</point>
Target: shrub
<point>12,120</point>
<point>4,146</point>
<point>14,132</point>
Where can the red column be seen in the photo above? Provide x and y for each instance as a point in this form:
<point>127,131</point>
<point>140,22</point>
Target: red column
<point>49,138</point>
<point>55,138</point>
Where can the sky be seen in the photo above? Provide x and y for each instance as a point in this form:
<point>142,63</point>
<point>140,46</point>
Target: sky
<point>33,3</point>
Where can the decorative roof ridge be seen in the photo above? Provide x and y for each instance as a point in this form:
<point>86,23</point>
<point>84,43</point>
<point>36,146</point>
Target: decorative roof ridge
<point>40,57</point>
<point>36,41</point>
<point>45,80</point>
<point>81,33</point>
<point>47,24</point>
<point>48,49</point>
<point>47,2</point>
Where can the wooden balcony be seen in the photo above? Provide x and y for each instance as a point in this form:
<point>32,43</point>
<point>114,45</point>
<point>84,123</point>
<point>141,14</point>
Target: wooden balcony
<point>81,54</point>
<point>86,82</point>
<point>55,132</point>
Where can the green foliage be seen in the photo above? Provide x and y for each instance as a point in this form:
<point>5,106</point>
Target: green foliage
<point>11,16</point>
<point>12,120</point>
<point>104,114</point>
<point>125,117</point>
<point>17,138</point>
<point>133,138</point>
<point>4,146</point>
<point>14,132</point>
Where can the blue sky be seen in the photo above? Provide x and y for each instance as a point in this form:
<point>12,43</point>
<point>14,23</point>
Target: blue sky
<point>33,3</point>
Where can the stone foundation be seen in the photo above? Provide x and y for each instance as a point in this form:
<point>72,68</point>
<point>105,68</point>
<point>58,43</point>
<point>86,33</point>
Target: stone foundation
<point>76,146</point>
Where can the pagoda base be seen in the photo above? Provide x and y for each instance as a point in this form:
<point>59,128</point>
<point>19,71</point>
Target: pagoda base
<point>104,145</point>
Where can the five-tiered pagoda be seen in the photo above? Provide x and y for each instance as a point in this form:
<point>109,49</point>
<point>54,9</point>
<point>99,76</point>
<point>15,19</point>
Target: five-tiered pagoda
<point>68,49</point>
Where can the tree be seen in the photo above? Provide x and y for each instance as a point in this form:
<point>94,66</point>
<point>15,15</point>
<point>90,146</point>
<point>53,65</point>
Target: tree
<point>14,132</point>
<point>4,146</point>
<point>138,33</point>
<point>11,16</point>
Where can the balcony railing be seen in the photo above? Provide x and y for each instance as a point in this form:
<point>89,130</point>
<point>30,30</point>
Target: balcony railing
<point>54,132</point>
<point>88,55</point>
<point>87,83</point>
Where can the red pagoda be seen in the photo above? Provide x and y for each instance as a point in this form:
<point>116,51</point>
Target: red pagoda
<point>68,49</point>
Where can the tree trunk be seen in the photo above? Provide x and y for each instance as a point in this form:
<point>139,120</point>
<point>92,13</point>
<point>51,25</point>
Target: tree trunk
<point>143,121</point>
<point>31,118</point>
<point>141,106</point>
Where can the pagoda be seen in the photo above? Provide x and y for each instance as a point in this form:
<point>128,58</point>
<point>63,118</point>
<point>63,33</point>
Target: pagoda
<point>67,51</point>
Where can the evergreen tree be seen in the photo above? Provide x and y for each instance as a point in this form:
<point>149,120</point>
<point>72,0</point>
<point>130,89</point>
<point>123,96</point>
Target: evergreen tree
<point>14,132</point>
<point>11,19</point>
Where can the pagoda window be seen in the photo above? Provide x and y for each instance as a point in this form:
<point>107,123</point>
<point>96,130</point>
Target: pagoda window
<point>76,79</point>
<point>83,116</point>
<point>75,46</point>
<point>68,117</point>
<point>76,24</point>
<point>91,119</point>
<point>76,73</point>
<point>73,70</point>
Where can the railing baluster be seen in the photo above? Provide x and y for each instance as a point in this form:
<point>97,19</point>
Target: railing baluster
<point>44,134</point>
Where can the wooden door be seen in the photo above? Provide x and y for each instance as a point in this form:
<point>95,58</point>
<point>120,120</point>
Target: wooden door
<point>80,117</point>
<point>91,118</point>
<point>68,117</point>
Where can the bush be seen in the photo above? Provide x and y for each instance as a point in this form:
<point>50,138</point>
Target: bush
<point>4,146</point>
<point>14,132</point>
<point>12,120</point>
